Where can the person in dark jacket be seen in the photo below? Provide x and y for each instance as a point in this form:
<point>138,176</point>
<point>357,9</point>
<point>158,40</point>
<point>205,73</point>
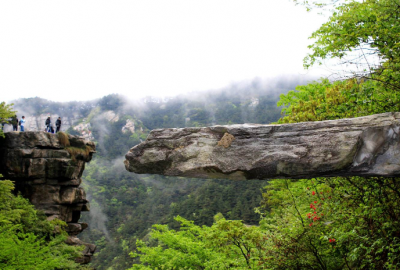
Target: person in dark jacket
<point>58,124</point>
<point>48,123</point>
<point>14,122</point>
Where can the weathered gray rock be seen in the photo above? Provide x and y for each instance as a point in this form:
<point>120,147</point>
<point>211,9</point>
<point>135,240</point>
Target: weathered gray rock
<point>365,146</point>
<point>49,174</point>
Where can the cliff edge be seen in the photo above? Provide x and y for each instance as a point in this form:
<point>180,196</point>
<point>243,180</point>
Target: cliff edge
<point>47,169</point>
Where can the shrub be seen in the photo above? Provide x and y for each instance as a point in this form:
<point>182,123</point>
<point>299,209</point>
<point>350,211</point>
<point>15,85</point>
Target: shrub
<point>63,138</point>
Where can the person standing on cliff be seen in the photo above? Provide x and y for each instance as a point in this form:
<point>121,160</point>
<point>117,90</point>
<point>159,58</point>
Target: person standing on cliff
<point>58,124</point>
<point>22,123</point>
<point>48,123</point>
<point>14,122</point>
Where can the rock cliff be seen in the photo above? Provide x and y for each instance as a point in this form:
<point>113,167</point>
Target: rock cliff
<point>365,146</point>
<point>47,169</point>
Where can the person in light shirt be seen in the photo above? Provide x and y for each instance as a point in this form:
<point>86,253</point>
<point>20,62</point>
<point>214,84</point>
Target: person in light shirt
<point>22,123</point>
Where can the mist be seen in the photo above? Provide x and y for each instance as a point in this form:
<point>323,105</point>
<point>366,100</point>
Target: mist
<point>97,218</point>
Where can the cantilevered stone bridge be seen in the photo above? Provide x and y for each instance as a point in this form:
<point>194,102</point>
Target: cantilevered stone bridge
<point>364,146</point>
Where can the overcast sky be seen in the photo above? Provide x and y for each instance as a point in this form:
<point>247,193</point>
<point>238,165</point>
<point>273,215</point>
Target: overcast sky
<point>81,50</point>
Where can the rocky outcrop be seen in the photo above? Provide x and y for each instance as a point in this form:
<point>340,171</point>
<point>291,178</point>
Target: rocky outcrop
<point>111,116</point>
<point>129,127</point>
<point>47,169</point>
<point>84,129</point>
<point>365,146</point>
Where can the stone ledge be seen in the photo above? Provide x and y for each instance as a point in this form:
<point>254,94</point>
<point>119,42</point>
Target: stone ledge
<point>364,146</point>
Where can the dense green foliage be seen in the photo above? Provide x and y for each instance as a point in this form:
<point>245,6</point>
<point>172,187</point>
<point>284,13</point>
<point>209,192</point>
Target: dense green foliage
<point>6,112</point>
<point>28,240</point>
<point>364,34</point>
<point>326,100</point>
<point>333,223</point>
<point>325,223</point>
<point>225,245</point>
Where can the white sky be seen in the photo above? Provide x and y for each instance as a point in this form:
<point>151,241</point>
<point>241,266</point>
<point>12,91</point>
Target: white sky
<point>81,50</point>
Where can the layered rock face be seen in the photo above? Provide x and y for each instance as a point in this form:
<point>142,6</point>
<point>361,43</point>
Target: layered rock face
<point>365,146</point>
<point>48,173</point>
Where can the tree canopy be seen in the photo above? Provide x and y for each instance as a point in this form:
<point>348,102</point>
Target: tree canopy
<point>28,240</point>
<point>365,37</point>
<point>6,112</point>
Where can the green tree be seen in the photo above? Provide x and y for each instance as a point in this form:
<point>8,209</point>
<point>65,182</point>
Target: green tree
<point>352,221</point>
<point>365,35</point>
<point>325,100</point>
<point>227,244</point>
<point>6,112</point>
<point>28,240</point>
<point>332,223</point>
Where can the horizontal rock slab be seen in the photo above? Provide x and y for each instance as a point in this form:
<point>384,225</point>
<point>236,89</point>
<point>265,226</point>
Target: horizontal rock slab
<point>364,146</point>
<point>76,228</point>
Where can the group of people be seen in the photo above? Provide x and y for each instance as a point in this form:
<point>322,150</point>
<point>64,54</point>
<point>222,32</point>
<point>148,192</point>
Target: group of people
<point>15,123</point>
<point>21,123</point>
<point>49,127</point>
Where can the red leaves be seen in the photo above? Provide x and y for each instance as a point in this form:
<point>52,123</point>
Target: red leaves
<point>314,216</point>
